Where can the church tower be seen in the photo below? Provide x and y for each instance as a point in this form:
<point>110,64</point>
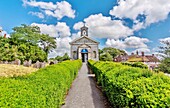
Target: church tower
<point>84,31</point>
<point>84,47</point>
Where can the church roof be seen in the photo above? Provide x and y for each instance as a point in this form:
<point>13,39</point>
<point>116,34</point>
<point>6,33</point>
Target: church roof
<point>82,38</point>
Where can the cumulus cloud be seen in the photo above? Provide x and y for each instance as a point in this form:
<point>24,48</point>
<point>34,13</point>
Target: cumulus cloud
<point>78,25</point>
<point>62,47</point>
<point>129,42</point>
<point>146,50</point>
<point>42,5</point>
<point>115,43</point>
<point>165,39</point>
<point>136,42</point>
<point>38,14</point>
<point>151,11</point>
<point>58,10</point>
<point>104,27</point>
<point>59,30</point>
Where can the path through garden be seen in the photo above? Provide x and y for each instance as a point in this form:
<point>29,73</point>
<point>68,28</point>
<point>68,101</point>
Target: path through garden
<point>84,92</point>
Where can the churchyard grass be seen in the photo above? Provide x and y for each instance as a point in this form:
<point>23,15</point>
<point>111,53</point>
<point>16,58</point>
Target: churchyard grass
<point>9,70</point>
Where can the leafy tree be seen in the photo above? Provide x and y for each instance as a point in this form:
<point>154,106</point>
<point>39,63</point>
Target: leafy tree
<point>108,53</point>
<point>32,35</point>
<point>26,33</point>
<point>24,44</point>
<point>106,57</point>
<point>66,57</point>
<point>48,43</point>
<point>62,58</point>
<point>59,58</point>
<point>113,51</point>
<point>165,54</point>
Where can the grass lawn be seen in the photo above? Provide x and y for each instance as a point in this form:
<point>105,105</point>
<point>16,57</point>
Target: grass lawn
<point>8,70</point>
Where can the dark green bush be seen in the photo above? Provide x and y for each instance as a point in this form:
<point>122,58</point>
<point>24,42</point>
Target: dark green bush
<point>127,86</point>
<point>45,88</point>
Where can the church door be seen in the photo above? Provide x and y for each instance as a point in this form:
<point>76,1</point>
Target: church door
<point>84,55</point>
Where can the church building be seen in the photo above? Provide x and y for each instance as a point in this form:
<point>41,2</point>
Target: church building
<point>84,48</point>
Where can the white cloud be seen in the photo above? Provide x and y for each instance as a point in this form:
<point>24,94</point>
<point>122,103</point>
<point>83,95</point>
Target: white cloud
<point>154,11</point>
<point>63,43</point>
<point>78,25</point>
<point>104,27</point>
<point>63,9</point>
<point>63,47</point>
<point>58,10</point>
<point>129,42</point>
<point>136,42</point>
<point>146,50</point>
<point>38,14</point>
<point>42,5</point>
<point>75,35</point>
<point>59,30</point>
<point>115,43</point>
<point>165,40</point>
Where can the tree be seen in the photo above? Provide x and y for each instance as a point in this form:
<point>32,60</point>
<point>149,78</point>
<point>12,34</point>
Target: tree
<point>106,57</point>
<point>26,33</point>
<point>32,35</point>
<point>59,58</point>
<point>48,43</point>
<point>165,54</point>
<point>62,58</point>
<point>24,45</point>
<point>66,57</point>
<point>110,52</point>
<point>113,51</point>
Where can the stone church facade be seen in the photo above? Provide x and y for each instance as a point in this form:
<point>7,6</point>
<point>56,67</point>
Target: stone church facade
<point>84,48</point>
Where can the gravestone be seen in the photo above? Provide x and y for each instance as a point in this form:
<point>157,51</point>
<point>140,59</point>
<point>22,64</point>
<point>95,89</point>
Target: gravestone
<point>1,62</point>
<point>55,61</point>
<point>29,63</point>
<point>42,64</point>
<point>13,62</point>
<point>25,63</point>
<point>37,65</point>
<point>5,62</point>
<point>17,62</point>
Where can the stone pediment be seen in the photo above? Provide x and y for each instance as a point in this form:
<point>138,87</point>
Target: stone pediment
<point>84,40</point>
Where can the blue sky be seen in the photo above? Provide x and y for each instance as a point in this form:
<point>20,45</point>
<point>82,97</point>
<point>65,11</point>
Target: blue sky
<point>124,24</point>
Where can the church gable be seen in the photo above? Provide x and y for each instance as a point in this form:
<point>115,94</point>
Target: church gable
<point>84,40</point>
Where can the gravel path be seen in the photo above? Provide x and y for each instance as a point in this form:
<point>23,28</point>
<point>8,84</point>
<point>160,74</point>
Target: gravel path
<point>84,92</point>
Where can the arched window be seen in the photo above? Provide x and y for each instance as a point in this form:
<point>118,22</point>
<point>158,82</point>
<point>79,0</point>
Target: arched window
<point>94,54</point>
<point>74,54</point>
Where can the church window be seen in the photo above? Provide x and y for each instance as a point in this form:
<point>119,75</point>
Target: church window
<point>94,54</point>
<point>74,54</point>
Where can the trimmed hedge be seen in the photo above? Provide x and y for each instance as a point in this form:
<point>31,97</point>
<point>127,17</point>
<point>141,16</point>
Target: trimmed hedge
<point>130,87</point>
<point>45,88</point>
<point>136,64</point>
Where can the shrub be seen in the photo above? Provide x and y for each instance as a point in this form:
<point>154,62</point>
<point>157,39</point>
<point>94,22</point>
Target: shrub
<point>136,64</point>
<point>127,86</point>
<point>45,88</point>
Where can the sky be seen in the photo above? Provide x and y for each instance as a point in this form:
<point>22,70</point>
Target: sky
<point>131,25</point>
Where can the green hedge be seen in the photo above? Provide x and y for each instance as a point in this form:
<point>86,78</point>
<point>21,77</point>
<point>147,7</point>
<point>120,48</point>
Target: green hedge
<point>45,88</point>
<point>136,64</point>
<point>127,86</point>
